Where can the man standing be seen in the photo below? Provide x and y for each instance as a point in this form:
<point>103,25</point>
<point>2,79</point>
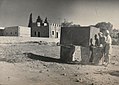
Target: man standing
<point>107,47</point>
<point>102,39</point>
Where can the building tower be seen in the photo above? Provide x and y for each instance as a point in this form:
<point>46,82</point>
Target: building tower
<point>39,21</point>
<point>46,22</point>
<point>30,21</point>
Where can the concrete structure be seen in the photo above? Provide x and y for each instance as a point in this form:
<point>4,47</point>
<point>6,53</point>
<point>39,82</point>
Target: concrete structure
<point>55,30</point>
<point>17,31</point>
<point>66,53</point>
<point>1,31</point>
<point>79,36</point>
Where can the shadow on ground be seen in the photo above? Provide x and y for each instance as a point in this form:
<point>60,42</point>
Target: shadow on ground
<point>114,73</point>
<point>50,59</point>
<point>42,58</point>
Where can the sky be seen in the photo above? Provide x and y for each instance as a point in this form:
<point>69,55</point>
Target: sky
<point>83,12</point>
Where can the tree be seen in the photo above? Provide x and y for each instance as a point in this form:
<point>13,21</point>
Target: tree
<point>69,24</point>
<point>30,21</point>
<point>66,24</point>
<point>104,26</point>
<point>75,25</point>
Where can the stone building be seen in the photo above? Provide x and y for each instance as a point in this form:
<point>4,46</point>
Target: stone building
<point>17,31</point>
<point>1,31</point>
<point>55,30</point>
<point>39,28</point>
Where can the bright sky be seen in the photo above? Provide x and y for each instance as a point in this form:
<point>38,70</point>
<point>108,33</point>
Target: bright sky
<point>83,12</point>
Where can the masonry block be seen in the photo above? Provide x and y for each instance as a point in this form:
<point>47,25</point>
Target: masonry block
<point>85,55</point>
<point>79,36</point>
<point>66,53</point>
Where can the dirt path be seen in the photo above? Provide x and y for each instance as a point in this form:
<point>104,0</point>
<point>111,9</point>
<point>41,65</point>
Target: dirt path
<point>18,69</point>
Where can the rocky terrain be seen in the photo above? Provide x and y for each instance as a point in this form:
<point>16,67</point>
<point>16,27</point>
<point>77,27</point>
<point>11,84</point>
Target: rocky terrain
<point>38,64</point>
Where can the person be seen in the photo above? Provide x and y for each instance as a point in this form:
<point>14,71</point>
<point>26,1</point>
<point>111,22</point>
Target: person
<point>107,47</point>
<point>97,43</point>
<point>102,39</point>
<point>91,51</point>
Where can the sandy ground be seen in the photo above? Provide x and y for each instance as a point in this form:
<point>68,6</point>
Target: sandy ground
<point>34,64</point>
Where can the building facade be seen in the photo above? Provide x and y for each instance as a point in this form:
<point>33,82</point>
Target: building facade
<point>39,28</point>
<point>17,31</point>
<point>55,30</point>
<point>1,31</point>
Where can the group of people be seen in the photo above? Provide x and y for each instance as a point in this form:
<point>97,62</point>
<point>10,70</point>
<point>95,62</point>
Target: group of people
<point>104,41</point>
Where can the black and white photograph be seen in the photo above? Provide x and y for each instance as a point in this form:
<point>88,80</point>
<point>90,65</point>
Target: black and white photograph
<point>59,42</point>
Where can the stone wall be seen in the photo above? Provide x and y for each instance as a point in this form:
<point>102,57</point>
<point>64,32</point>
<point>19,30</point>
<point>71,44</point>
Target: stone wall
<point>75,35</point>
<point>79,36</point>
<point>11,31</point>
<point>10,40</point>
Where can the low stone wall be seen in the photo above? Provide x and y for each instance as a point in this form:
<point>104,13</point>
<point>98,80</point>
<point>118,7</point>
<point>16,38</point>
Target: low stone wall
<point>8,40</point>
